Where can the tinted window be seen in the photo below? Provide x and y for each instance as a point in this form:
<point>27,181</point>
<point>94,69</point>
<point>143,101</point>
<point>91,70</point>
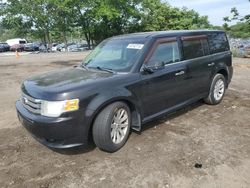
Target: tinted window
<point>218,42</point>
<point>195,48</point>
<point>22,42</point>
<point>165,53</point>
<point>205,46</point>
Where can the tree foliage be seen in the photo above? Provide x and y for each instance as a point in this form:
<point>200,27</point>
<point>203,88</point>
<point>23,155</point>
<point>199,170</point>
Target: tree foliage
<point>96,20</point>
<point>235,16</point>
<point>242,28</point>
<point>239,30</point>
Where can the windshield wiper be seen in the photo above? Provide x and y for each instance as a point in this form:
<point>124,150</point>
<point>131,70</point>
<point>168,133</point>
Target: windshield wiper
<point>103,69</point>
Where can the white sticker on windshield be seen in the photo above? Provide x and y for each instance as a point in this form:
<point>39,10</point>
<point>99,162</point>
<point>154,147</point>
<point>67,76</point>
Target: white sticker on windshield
<point>135,46</point>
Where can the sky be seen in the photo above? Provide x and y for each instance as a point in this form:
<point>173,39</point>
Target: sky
<point>216,10</point>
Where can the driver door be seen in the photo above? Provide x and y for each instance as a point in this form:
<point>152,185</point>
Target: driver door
<point>166,85</point>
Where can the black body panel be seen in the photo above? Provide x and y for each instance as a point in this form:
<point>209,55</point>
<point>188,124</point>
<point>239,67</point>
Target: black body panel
<point>149,94</point>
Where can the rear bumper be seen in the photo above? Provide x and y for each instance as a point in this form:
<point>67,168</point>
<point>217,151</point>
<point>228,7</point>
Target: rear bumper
<point>62,132</point>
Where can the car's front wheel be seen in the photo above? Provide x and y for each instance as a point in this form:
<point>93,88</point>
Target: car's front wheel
<point>112,126</point>
<point>217,90</point>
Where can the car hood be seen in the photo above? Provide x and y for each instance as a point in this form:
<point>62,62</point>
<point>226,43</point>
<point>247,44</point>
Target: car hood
<point>63,81</point>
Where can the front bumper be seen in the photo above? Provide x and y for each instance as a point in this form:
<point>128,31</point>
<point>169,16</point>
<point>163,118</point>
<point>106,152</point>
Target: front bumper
<point>63,132</point>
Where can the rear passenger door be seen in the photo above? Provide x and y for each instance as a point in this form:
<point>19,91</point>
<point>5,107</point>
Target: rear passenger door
<point>200,63</point>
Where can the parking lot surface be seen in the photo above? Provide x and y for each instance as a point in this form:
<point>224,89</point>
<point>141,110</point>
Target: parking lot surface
<point>215,138</point>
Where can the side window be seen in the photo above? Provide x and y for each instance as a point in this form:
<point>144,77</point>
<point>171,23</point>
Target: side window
<point>194,48</point>
<point>218,42</point>
<point>205,46</point>
<point>165,53</point>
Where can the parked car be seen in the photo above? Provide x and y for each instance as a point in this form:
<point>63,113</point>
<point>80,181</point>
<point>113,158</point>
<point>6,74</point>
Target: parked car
<point>54,47</point>
<point>4,47</point>
<point>60,47</point>
<point>17,47</point>
<point>15,41</point>
<point>77,47</point>
<point>125,82</point>
<point>31,47</point>
<point>43,48</point>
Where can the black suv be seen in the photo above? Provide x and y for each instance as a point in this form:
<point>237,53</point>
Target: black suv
<point>123,83</point>
<point>4,47</point>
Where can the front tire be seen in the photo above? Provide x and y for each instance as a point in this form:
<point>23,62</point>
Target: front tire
<point>112,126</point>
<point>217,90</point>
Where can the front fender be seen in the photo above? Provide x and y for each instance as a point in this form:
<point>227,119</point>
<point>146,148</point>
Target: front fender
<point>105,98</point>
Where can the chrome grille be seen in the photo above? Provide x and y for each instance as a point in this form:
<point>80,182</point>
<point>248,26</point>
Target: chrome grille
<point>31,104</point>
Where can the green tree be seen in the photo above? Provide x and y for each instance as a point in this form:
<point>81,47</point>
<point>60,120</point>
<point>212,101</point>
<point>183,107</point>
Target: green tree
<point>235,15</point>
<point>157,15</point>
<point>17,25</point>
<point>63,15</point>
<point>96,19</point>
<point>114,17</point>
<point>100,19</point>
<point>239,30</point>
<point>35,12</point>
<point>85,18</point>
<point>242,28</point>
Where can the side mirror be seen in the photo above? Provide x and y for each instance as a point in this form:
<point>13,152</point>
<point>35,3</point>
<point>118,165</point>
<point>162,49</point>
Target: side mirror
<point>147,69</point>
<point>151,69</point>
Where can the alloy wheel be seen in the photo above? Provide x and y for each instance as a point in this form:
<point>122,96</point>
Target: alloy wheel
<point>119,125</point>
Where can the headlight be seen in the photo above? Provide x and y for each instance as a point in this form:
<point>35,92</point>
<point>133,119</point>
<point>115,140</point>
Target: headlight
<point>56,108</point>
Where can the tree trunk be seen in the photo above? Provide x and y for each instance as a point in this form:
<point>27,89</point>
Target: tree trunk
<point>65,40</point>
<point>43,38</point>
<point>87,37</point>
<point>47,39</point>
<point>92,42</point>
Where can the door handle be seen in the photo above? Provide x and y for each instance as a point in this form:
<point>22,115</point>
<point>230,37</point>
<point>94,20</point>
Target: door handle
<point>211,64</point>
<point>179,73</point>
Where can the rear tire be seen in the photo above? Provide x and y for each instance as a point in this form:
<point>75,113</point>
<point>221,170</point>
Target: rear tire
<point>217,90</point>
<point>112,126</point>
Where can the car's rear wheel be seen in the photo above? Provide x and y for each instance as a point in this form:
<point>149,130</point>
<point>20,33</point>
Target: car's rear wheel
<point>217,90</point>
<point>112,126</point>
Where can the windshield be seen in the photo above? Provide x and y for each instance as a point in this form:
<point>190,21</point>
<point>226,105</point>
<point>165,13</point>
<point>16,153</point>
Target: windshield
<point>115,54</point>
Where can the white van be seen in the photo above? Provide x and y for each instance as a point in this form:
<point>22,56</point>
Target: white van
<point>12,42</point>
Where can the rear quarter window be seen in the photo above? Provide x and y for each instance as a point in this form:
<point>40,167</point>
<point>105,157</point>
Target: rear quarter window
<point>218,42</point>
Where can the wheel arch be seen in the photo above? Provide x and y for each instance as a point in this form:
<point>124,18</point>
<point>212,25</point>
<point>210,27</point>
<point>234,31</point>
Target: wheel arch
<point>224,73</point>
<point>223,70</point>
<point>135,112</point>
